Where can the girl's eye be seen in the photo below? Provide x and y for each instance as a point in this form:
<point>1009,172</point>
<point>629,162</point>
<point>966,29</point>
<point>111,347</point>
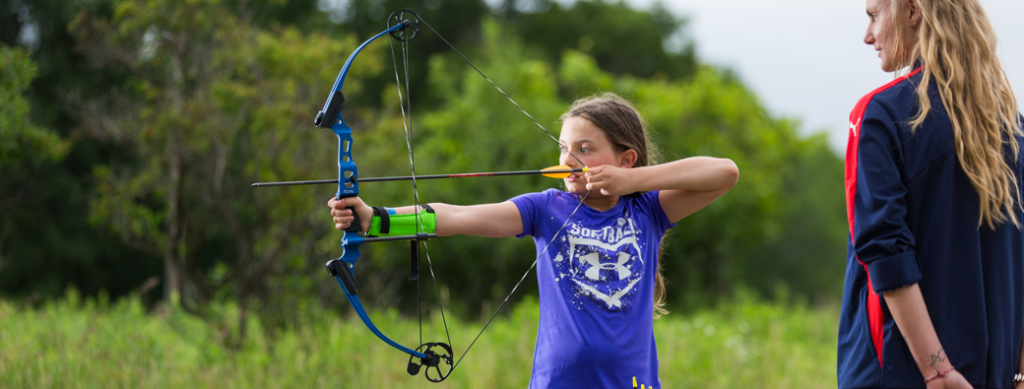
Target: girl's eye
<point>562,148</point>
<point>584,149</point>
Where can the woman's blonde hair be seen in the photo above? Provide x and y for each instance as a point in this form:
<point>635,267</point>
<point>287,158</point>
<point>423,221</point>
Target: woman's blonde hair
<point>957,47</point>
<point>626,130</point>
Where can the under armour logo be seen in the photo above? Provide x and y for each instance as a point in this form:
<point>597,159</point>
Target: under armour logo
<point>853,127</point>
<point>594,259</point>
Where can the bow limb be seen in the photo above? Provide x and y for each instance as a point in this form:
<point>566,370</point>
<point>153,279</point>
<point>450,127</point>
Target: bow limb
<point>369,324</point>
<point>332,108</point>
<point>341,269</point>
<point>348,185</point>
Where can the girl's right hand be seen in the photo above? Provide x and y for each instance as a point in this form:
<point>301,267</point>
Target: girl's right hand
<point>343,216</point>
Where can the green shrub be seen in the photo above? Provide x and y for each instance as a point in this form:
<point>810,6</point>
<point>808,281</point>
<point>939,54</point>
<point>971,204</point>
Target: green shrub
<point>75,343</point>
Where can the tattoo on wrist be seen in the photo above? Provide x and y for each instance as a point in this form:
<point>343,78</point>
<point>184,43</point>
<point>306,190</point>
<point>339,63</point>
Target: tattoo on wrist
<point>939,356</point>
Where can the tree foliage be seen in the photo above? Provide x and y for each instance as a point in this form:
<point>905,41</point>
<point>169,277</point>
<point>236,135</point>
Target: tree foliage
<point>184,104</point>
<point>622,40</point>
<point>20,138</point>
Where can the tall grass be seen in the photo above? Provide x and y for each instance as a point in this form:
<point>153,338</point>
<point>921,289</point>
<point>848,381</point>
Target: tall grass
<point>92,344</point>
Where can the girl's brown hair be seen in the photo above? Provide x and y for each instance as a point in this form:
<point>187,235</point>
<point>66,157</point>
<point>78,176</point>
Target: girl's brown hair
<point>957,46</point>
<point>626,130</point>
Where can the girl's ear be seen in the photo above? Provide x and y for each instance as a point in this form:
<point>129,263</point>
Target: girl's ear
<point>914,13</point>
<point>627,158</point>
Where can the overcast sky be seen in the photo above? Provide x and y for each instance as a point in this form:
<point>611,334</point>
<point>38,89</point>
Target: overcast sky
<point>806,58</point>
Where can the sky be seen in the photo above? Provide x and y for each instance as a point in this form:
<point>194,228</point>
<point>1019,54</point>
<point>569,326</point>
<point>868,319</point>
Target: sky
<point>806,59</point>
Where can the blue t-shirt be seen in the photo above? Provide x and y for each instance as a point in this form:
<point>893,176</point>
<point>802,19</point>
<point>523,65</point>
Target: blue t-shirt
<point>596,285</point>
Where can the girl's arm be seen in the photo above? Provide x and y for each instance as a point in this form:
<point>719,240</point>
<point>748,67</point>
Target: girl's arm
<point>911,315</point>
<point>495,220</point>
<point>686,185</point>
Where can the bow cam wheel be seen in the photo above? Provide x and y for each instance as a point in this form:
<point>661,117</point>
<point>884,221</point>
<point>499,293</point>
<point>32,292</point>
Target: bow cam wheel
<point>438,362</point>
<point>412,26</point>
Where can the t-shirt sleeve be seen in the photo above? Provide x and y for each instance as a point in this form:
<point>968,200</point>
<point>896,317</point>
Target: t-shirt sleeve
<point>530,206</point>
<point>651,203</point>
<point>882,239</point>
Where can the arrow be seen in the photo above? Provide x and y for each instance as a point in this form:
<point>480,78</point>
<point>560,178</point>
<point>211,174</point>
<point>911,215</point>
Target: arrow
<point>560,171</point>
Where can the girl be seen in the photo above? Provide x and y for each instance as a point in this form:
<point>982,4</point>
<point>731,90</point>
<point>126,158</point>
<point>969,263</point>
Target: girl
<point>934,293</point>
<point>598,261</point>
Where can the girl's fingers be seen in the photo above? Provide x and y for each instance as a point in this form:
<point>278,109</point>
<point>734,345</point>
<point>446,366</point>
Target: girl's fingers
<point>343,203</point>
<point>341,223</point>
<point>337,212</point>
<point>342,211</point>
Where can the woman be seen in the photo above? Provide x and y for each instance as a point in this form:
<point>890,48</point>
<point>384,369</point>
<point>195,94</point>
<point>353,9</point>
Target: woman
<point>597,266</point>
<point>934,293</point>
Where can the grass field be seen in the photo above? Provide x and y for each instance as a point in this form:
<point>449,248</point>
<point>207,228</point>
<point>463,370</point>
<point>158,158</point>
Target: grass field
<point>90,344</point>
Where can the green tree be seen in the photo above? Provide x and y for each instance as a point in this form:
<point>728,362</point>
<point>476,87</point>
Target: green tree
<point>20,139</point>
<point>211,105</point>
<point>808,255</point>
<point>621,39</point>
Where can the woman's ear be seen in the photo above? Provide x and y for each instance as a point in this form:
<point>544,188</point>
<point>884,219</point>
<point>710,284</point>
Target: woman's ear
<point>914,12</point>
<point>627,158</point>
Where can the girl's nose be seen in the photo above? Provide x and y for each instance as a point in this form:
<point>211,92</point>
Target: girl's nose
<point>568,160</point>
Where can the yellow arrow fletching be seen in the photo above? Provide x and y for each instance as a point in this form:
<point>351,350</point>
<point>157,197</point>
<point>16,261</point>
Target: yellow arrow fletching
<point>560,171</point>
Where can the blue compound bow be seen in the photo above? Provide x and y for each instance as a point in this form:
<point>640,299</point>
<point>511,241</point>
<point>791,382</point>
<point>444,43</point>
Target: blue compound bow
<point>436,357</point>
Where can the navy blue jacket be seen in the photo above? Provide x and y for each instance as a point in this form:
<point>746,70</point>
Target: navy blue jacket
<point>913,218</point>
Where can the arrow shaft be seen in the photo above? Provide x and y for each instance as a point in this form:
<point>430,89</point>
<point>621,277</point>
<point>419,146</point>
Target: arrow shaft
<point>423,177</point>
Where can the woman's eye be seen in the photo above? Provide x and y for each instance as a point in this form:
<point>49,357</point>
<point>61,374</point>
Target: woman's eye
<point>584,150</point>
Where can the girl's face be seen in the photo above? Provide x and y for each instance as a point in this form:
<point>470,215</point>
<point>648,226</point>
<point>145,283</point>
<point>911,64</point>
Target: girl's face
<point>588,143</point>
<point>881,33</point>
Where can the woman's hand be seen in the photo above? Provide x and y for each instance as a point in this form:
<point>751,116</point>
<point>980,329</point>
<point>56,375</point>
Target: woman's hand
<point>611,180</point>
<point>343,217</point>
<point>952,380</point>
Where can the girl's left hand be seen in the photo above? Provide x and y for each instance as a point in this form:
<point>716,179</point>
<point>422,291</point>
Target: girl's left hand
<point>610,180</point>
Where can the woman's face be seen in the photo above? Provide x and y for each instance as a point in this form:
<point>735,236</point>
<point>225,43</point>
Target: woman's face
<point>588,143</point>
<point>881,34</point>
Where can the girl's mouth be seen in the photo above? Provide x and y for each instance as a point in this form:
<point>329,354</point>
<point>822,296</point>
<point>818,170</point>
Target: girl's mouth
<point>572,178</point>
